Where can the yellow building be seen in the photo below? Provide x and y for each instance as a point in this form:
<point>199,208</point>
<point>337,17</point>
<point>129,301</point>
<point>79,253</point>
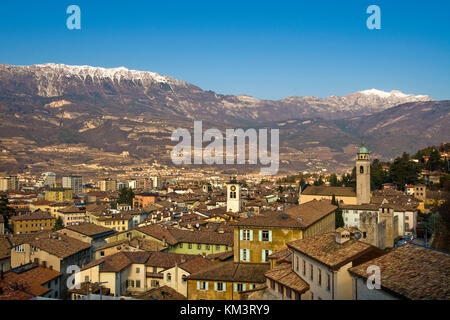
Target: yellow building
<point>344,195</point>
<point>34,222</point>
<point>225,281</point>
<point>117,221</point>
<point>181,241</point>
<point>58,195</point>
<point>257,237</point>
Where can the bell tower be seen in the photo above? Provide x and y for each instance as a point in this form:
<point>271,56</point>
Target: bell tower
<point>363,175</point>
<point>234,202</point>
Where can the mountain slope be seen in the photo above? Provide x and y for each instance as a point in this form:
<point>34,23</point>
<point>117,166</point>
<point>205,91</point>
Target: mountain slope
<point>55,115</point>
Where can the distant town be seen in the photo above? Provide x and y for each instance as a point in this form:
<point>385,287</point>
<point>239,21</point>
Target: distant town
<point>381,231</point>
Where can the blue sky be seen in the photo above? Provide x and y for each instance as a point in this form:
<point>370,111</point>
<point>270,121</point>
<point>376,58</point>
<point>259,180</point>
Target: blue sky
<point>267,49</point>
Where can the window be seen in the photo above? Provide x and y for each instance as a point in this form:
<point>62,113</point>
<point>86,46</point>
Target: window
<point>272,284</point>
<point>311,268</point>
<point>304,267</point>
<point>190,245</point>
<point>320,277</point>
<point>265,235</point>
<point>131,283</point>
<point>280,288</point>
<point>169,277</point>
<point>245,254</point>
<point>199,246</point>
<point>246,235</point>
<point>138,283</point>
<point>181,245</point>
<point>138,270</point>
<point>20,248</point>
<point>220,286</point>
<point>296,263</point>
<point>86,279</point>
<point>361,169</point>
<point>328,282</point>
<point>207,247</point>
<point>155,269</point>
<point>265,255</point>
<point>202,285</point>
<point>217,248</point>
<point>288,293</point>
<point>240,287</point>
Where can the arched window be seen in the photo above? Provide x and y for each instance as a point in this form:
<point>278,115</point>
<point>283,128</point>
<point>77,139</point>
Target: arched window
<point>361,169</point>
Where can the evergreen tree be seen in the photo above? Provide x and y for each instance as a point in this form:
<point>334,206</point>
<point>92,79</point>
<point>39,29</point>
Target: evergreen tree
<point>126,196</point>
<point>58,224</point>
<point>339,220</point>
<point>5,210</point>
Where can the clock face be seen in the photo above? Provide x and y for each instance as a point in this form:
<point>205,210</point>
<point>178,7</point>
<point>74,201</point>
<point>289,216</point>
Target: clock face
<point>233,188</point>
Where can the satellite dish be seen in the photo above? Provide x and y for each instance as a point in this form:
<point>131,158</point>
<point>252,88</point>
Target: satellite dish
<point>358,235</point>
<point>197,226</point>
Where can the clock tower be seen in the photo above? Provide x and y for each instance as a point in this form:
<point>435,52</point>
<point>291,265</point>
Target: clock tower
<point>234,202</point>
<point>363,175</point>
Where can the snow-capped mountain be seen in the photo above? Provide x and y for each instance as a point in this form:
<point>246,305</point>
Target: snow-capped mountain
<point>162,94</point>
<point>87,110</point>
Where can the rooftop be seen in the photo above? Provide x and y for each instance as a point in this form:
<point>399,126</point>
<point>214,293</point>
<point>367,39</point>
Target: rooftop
<point>233,272</point>
<point>412,272</point>
<point>284,275</point>
<point>324,249</point>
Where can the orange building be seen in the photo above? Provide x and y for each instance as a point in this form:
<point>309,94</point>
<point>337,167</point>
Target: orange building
<point>142,200</point>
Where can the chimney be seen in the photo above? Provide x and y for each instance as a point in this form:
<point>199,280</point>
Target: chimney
<point>342,236</point>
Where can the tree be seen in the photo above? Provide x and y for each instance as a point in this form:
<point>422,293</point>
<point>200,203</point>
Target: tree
<point>403,171</point>
<point>378,175</point>
<point>126,196</point>
<point>334,181</point>
<point>5,210</point>
<point>339,220</point>
<point>59,224</point>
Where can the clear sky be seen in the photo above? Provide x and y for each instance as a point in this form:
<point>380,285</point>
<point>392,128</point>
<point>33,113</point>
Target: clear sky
<point>266,49</point>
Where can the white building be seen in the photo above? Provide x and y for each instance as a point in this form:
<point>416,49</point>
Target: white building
<point>323,261</point>
<point>234,201</point>
<point>73,182</point>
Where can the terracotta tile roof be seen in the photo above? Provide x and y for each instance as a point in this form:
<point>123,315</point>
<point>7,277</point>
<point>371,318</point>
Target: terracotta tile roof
<point>281,255</point>
<point>329,191</point>
<point>162,293</point>
<point>222,256</point>
<point>167,260</point>
<point>174,236</point>
<point>233,272</point>
<point>368,206</point>
<point>31,281</point>
<point>300,216</point>
<point>412,272</point>
<point>89,229</point>
<point>196,265</point>
<point>92,287</point>
<point>38,215</point>
<point>5,248</point>
<point>112,263</point>
<point>73,209</point>
<point>287,277</point>
<point>56,244</point>
<point>325,249</point>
